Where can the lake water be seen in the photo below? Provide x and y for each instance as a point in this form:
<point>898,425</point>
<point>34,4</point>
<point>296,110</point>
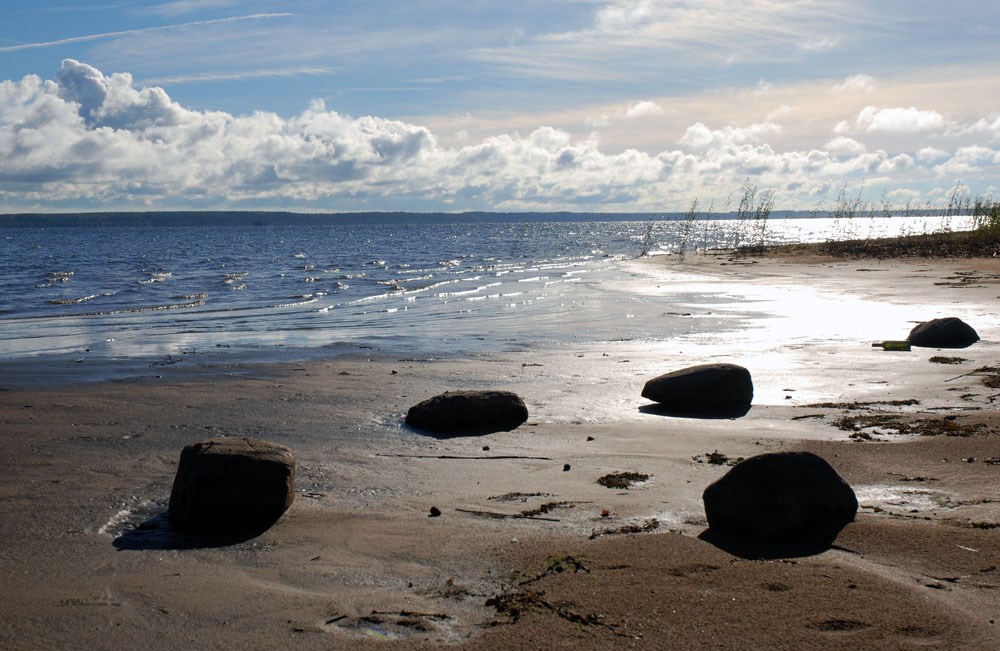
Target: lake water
<point>119,292</point>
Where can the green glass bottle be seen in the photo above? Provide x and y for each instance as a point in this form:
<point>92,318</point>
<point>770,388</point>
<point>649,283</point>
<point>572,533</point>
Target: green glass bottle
<point>892,345</point>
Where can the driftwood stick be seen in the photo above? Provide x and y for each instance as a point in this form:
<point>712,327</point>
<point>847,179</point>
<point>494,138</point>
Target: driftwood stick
<point>410,613</point>
<point>466,457</point>
<point>504,516</point>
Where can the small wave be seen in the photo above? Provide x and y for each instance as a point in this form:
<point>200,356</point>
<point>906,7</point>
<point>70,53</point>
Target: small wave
<point>308,301</point>
<point>74,301</point>
<point>55,277</point>
<point>229,279</point>
<point>299,256</point>
<point>140,310</point>
<point>191,297</point>
<point>155,277</point>
<point>309,267</point>
<point>533,279</point>
<point>465,292</point>
<point>373,298</point>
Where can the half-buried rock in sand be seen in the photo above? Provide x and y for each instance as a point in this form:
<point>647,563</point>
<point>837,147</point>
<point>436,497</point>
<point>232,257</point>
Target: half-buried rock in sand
<point>706,391</point>
<point>950,332</point>
<point>229,485</point>
<point>468,413</point>
<point>783,496</point>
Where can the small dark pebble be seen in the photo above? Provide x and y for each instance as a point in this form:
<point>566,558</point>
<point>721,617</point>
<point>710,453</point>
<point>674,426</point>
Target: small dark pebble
<point>590,438</point>
<point>435,512</point>
<point>486,448</point>
<point>566,467</point>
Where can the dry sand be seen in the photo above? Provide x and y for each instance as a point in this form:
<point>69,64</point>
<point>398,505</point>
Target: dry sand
<point>528,553</point>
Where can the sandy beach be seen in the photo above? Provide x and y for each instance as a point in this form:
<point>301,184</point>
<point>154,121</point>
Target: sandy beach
<point>529,550</point>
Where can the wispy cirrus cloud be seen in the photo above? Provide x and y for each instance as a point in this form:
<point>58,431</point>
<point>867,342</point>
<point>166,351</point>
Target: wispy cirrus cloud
<point>704,34</point>
<point>180,7</point>
<point>204,77</point>
<point>136,32</point>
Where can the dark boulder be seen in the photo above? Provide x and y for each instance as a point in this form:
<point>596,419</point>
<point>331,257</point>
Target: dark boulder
<point>950,332</point>
<point>783,496</point>
<point>231,484</point>
<point>709,390</point>
<point>458,413</point>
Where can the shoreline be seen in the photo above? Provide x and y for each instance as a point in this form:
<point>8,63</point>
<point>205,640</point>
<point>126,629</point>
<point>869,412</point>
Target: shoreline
<point>357,558</point>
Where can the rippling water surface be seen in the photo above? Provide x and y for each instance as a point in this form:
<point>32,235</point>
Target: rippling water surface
<point>465,287</point>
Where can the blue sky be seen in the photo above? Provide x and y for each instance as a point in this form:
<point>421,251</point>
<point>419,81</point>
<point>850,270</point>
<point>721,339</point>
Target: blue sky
<point>632,105</point>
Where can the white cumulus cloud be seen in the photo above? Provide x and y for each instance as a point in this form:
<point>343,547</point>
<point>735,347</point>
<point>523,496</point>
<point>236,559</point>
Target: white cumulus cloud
<point>844,145</point>
<point>854,85</point>
<point>904,120</point>
<point>639,110</point>
<point>699,136</point>
<point>96,141</point>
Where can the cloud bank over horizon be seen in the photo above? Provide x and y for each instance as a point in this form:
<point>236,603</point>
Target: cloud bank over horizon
<point>94,140</point>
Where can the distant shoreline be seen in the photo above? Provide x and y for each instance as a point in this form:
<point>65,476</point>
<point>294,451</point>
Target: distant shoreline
<point>136,219</point>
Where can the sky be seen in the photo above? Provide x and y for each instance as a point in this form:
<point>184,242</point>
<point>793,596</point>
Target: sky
<point>535,105</point>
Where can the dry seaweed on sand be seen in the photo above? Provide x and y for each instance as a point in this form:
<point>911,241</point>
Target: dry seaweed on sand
<point>652,524</point>
<point>892,424</point>
<point>516,497</point>
<point>558,565</point>
<point>528,514</point>
<point>515,604</point>
<point>716,458</point>
<point>857,404</point>
<point>622,480</point>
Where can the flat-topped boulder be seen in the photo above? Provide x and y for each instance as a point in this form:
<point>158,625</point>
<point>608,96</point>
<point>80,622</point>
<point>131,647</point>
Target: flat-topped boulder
<point>949,332</point>
<point>782,496</point>
<point>708,390</point>
<point>465,413</point>
<point>225,485</point>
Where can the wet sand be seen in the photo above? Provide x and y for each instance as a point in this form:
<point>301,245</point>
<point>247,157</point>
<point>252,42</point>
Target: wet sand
<point>528,553</point>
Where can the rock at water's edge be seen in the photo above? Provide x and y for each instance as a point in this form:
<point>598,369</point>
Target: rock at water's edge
<point>949,332</point>
<point>782,496</point>
<point>231,484</point>
<point>708,390</point>
<point>460,413</point>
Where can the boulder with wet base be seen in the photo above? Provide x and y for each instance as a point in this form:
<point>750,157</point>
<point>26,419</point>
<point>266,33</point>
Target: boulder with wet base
<point>463,413</point>
<point>781,496</point>
<point>225,485</point>
<point>708,390</point>
<point>949,332</point>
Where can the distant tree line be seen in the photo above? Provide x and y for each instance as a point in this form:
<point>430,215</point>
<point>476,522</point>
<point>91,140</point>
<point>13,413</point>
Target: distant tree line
<point>264,218</point>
